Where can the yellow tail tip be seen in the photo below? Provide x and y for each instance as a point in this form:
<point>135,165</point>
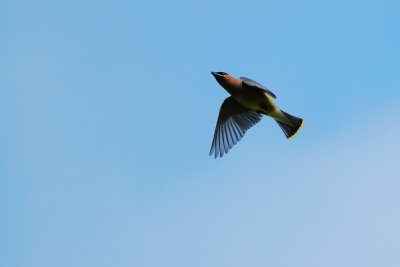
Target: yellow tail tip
<point>301,125</point>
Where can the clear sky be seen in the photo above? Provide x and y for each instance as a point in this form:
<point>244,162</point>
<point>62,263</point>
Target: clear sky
<point>107,112</point>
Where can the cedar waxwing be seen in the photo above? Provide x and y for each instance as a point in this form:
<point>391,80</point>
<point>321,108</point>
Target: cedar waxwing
<point>249,100</point>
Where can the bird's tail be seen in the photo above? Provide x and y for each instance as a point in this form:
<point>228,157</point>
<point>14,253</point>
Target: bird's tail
<point>291,125</point>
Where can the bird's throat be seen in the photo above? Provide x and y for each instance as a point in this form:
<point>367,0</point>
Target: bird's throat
<point>233,86</point>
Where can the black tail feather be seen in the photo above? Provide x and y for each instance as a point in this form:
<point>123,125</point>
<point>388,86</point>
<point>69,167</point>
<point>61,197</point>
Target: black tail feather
<point>290,130</point>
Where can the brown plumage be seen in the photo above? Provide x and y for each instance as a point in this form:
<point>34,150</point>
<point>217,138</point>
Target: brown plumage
<point>249,100</point>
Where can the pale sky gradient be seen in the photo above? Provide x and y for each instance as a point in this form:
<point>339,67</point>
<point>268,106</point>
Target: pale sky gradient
<point>107,115</point>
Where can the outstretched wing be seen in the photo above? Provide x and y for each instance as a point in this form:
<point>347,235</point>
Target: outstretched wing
<point>233,122</point>
<point>252,83</point>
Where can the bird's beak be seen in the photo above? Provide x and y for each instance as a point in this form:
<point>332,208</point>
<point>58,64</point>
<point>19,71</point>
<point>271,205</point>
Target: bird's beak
<point>214,73</point>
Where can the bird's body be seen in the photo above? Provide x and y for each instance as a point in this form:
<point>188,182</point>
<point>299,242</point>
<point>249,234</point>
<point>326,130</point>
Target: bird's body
<point>253,98</point>
<point>242,110</point>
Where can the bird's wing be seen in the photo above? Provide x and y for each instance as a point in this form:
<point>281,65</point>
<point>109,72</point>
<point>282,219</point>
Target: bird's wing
<point>252,83</point>
<point>233,122</point>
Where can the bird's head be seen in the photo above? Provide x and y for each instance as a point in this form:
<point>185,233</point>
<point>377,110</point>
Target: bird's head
<point>219,76</point>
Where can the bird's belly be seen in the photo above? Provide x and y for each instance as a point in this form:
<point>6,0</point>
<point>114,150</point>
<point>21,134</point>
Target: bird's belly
<point>259,102</point>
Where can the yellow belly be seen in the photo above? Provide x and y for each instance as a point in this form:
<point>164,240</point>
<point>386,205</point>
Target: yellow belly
<point>257,102</point>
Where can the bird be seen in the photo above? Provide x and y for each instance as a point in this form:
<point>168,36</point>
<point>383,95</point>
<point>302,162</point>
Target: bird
<point>247,103</point>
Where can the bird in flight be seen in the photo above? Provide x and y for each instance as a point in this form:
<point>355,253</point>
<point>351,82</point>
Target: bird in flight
<point>249,100</point>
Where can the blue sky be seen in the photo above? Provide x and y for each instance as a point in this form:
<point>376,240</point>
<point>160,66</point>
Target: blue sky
<point>108,110</point>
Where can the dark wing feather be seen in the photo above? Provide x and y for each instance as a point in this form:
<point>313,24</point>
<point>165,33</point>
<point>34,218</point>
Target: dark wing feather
<point>252,83</point>
<point>233,122</point>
